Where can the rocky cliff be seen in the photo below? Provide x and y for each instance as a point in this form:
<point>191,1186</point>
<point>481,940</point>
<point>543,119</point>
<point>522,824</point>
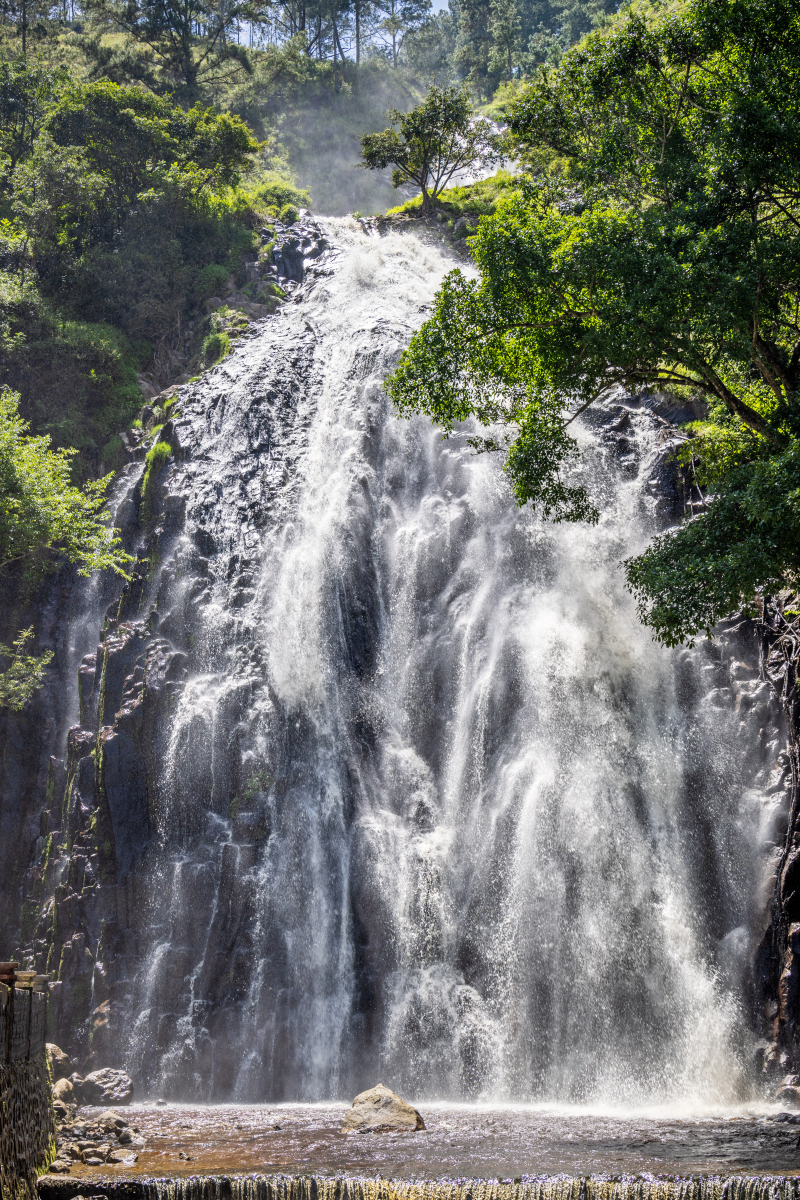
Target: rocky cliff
<point>281,831</point>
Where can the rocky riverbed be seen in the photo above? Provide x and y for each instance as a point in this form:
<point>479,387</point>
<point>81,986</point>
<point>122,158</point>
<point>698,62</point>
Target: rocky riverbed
<point>174,1141</point>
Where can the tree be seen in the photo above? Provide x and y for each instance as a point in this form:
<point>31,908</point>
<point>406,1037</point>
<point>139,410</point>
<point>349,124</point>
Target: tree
<point>505,36</point>
<point>24,676</point>
<point>26,92</point>
<point>189,39</point>
<point>396,19</point>
<point>434,140</point>
<point>104,150</point>
<point>474,47</point>
<point>41,513</point>
<point>669,256</point>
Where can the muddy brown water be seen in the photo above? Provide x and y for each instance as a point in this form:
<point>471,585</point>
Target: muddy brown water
<point>459,1141</point>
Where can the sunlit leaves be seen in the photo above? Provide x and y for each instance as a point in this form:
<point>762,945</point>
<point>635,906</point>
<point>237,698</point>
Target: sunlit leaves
<point>24,674</point>
<point>40,510</point>
<point>666,254</point>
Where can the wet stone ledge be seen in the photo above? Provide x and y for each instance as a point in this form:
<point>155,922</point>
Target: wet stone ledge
<point>309,1187</point>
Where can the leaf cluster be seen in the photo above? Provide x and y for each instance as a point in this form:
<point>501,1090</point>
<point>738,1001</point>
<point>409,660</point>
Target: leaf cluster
<point>25,673</point>
<point>40,509</point>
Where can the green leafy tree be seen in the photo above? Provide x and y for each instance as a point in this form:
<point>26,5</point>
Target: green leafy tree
<point>27,87</point>
<point>41,514</point>
<point>669,256</point>
<point>190,41</point>
<point>427,145</point>
<point>474,47</point>
<point>506,36</point>
<point>40,509</point>
<point>24,675</point>
<point>395,19</point>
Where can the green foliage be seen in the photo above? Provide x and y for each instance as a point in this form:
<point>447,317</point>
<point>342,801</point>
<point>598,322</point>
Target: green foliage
<point>431,142</point>
<point>277,194</point>
<point>125,209</point>
<point>155,461</point>
<point>474,199</point>
<point>169,31</point>
<point>668,255</point>
<point>210,281</point>
<point>748,542</point>
<point>260,781</point>
<point>24,675</point>
<point>41,511</point>
<point>215,346</point>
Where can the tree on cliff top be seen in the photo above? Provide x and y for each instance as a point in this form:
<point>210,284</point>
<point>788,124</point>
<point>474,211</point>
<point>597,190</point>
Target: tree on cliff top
<point>667,256</point>
<point>427,145</point>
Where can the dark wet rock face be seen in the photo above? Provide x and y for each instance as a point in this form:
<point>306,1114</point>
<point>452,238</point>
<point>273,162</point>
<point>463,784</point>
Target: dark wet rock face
<point>367,773</point>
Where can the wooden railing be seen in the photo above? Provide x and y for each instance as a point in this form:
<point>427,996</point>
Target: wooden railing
<point>27,1126</point>
<point>23,1013</point>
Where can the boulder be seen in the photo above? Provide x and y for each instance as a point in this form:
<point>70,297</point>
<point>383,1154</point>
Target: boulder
<point>107,1087</point>
<point>127,1157</point>
<point>64,1091</point>
<point>111,1122</point>
<point>789,1095</point>
<point>60,1063</point>
<point>379,1108</point>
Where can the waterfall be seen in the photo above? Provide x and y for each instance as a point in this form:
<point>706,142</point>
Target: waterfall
<point>427,804</point>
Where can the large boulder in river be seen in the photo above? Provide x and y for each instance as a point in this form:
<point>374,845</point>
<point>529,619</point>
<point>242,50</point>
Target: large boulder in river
<point>380,1109</point>
<point>64,1091</point>
<point>107,1087</point>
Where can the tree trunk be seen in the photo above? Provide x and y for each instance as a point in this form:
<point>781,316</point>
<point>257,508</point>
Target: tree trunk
<point>358,31</point>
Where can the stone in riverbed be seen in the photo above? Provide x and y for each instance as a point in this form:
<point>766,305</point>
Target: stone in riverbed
<point>64,1091</point>
<point>378,1109</point>
<point>60,1063</point>
<point>789,1094</point>
<point>123,1157</point>
<point>107,1087</point>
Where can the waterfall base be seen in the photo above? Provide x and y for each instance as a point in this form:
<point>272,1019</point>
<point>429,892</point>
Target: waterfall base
<point>459,1142</point>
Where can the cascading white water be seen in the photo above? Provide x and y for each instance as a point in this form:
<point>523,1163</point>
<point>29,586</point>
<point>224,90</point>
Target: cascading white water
<point>436,809</point>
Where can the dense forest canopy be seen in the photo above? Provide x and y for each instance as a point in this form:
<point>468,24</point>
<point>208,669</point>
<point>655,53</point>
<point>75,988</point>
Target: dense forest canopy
<point>144,142</point>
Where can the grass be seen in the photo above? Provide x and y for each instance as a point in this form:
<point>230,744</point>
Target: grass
<point>156,458</point>
<point>473,200</point>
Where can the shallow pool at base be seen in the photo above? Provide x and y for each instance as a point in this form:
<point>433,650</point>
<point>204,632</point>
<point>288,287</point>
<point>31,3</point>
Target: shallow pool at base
<point>459,1141</point>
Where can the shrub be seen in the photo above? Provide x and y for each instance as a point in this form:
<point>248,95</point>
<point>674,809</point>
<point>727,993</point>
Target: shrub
<point>215,347</point>
<point>156,459</point>
<point>289,214</point>
<point>276,193</point>
<point>210,281</point>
